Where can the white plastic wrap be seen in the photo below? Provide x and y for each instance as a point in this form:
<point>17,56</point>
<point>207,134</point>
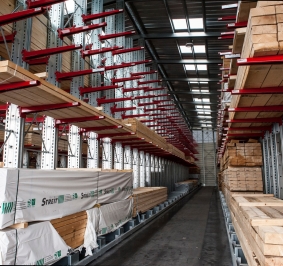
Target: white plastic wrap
<point>49,194</point>
<point>38,244</point>
<point>106,219</point>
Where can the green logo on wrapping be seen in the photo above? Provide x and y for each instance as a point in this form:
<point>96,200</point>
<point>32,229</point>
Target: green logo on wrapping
<point>92,194</point>
<point>57,254</point>
<point>75,195</point>
<point>31,203</point>
<point>40,262</point>
<point>7,207</point>
<point>104,230</point>
<point>61,199</point>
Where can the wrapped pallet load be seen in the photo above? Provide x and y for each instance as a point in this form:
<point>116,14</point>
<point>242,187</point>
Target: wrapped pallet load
<point>38,244</point>
<point>105,219</point>
<point>38,195</point>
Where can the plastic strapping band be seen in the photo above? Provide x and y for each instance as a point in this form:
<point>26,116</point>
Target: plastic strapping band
<point>16,196</point>
<point>16,252</point>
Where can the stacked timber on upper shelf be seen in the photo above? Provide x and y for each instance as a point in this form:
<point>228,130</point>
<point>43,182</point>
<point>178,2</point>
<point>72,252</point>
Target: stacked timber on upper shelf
<point>242,154</point>
<point>146,198</point>
<point>263,37</point>
<point>186,185</point>
<point>258,222</point>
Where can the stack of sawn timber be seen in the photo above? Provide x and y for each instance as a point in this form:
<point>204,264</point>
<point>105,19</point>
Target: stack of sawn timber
<point>186,185</point>
<point>61,203</point>
<point>242,154</point>
<point>264,37</point>
<point>146,198</point>
<point>258,222</point>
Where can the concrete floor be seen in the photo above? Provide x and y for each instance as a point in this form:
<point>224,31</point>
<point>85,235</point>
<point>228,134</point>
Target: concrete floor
<point>190,233</point>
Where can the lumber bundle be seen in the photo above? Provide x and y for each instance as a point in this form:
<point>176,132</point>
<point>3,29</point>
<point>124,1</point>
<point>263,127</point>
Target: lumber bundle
<point>242,154</point>
<point>146,198</point>
<point>258,221</point>
<point>186,185</point>
<point>263,37</point>
<point>71,228</point>
<point>194,170</point>
<point>243,178</point>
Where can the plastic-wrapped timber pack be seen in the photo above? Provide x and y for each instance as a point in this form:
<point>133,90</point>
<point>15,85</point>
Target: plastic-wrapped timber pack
<point>106,219</point>
<point>38,244</point>
<point>28,195</point>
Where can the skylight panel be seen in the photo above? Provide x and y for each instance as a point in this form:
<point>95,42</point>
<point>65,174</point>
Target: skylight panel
<point>180,24</point>
<point>199,49</point>
<point>190,67</point>
<point>202,67</point>
<point>195,23</point>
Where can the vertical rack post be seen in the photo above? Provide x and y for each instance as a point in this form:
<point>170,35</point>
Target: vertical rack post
<point>266,168</point>
<point>109,29</point>
<point>49,132</point>
<point>92,151</point>
<point>136,168</point>
<point>118,156</point>
<point>203,162</point>
<point>152,169</point>
<point>142,168</point>
<point>14,138</point>
<point>25,159</point>
<point>95,60</point>
<point>128,159</point>
<point>50,144</point>
<point>75,146</point>
<point>107,158</point>
<point>147,170</point>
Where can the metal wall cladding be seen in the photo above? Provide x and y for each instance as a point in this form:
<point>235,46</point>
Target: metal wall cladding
<point>206,156</point>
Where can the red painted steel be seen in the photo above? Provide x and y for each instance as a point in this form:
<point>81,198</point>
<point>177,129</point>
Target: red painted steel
<point>27,55</point>
<point>85,53</point>
<point>41,3</point>
<point>134,116</point>
<point>95,89</point>
<point>114,109</point>
<point>38,61</point>
<point>115,35</point>
<point>115,80</point>
<point>274,108</point>
<point>237,25</point>
<point>78,119</point>
<point>19,85</point>
<point>87,18</point>
<point>47,107</point>
<point>149,81</point>
<point>125,90</point>
<point>100,136</point>
<point>143,73</point>
<point>267,90</point>
<point>75,30</point>
<point>69,75</point>
<point>270,59</point>
<point>225,37</point>
<point>8,38</point>
<point>20,15</point>
<point>127,50</point>
<point>100,128</point>
<point>123,65</point>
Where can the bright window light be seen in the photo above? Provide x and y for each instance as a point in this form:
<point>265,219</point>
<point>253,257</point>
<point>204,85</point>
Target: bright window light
<point>199,49</point>
<point>193,82</point>
<point>199,106</point>
<point>200,91</point>
<point>203,82</point>
<point>70,6</point>
<point>180,24</point>
<point>203,116</point>
<point>206,107</point>
<point>202,67</point>
<point>190,67</point>
<point>206,100</point>
<point>185,50</point>
<point>188,50</point>
<point>196,23</point>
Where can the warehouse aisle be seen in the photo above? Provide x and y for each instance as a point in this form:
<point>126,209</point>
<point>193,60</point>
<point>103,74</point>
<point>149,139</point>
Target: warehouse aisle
<point>191,233</point>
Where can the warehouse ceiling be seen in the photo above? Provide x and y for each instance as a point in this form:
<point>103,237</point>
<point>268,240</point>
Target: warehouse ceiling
<point>191,73</point>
